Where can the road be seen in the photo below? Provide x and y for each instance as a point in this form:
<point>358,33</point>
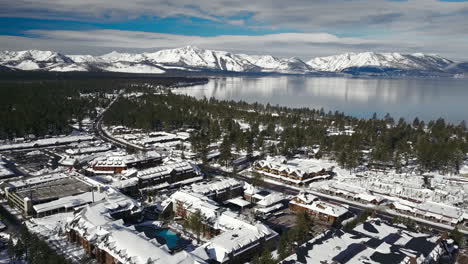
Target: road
<point>99,131</point>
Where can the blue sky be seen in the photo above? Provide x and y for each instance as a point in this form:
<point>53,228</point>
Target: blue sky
<point>305,28</point>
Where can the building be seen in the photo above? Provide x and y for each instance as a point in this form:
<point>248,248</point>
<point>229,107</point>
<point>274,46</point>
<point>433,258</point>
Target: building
<point>171,173</point>
<point>350,192</point>
<point>26,194</point>
<point>324,211</point>
<point>52,141</point>
<point>267,204</point>
<point>374,241</point>
<point>88,148</point>
<point>432,211</point>
<point>67,203</point>
<point>231,239</point>
<point>219,190</point>
<point>296,171</point>
<point>101,231</point>
<point>118,162</point>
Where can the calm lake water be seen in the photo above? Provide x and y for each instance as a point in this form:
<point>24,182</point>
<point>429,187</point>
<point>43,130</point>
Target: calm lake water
<point>408,98</point>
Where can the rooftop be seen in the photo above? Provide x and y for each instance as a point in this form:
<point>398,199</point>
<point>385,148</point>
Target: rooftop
<point>216,185</point>
<point>70,201</point>
<point>48,188</point>
<point>124,243</point>
<point>374,241</point>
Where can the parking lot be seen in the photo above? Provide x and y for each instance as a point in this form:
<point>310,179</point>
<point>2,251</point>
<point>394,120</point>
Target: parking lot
<point>33,161</point>
<point>286,219</point>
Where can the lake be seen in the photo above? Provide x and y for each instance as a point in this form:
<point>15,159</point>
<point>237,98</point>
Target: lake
<point>426,99</point>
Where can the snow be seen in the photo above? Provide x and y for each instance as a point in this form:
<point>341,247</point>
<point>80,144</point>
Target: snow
<point>241,238</point>
<point>238,201</point>
<point>389,60</point>
<point>115,56</point>
<point>27,65</point>
<point>218,185</point>
<point>338,245</point>
<point>324,208</point>
<point>37,180</point>
<point>69,201</point>
<point>51,229</point>
<point>122,242</point>
<point>195,202</point>
<point>191,58</point>
<point>199,58</point>
<point>46,142</point>
<point>270,199</point>
<point>133,68</point>
<point>68,68</point>
<point>165,170</point>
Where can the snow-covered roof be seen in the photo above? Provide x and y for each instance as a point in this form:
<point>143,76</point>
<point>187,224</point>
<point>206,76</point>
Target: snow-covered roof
<point>70,201</point>
<point>194,201</point>
<point>120,184</point>
<point>88,149</point>
<point>236,233</point>
<point>250,189</point>
<point>297,166</point>
<point>123,243</point>
<point>37,180</point>
<point>166,169</point>
<point>120,159</point>
<point>344,188</point>
<point>218,185</point>
<point>374,241</point>
<point>271,199</point>
<point>306,197</point>
<point>403,207</point>
<point>324,208</point>
<point>239,239</point>
<point>47,141</point>
<point>441,209</point>
<point>269,209</point>
<point>238,201</point>
<point>368,197</point>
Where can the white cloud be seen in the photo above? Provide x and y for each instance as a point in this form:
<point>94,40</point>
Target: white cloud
<point>304,45</point>
<point>404,26</point>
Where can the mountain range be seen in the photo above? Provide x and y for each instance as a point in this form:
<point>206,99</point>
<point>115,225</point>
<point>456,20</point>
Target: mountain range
<point>193,59</point>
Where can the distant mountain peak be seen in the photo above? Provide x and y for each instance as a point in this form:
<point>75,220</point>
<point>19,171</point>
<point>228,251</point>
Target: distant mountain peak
<point>192,58</point>
<point>394,60</point>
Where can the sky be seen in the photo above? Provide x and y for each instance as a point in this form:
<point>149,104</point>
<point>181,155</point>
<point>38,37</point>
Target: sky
<point>283,28</point>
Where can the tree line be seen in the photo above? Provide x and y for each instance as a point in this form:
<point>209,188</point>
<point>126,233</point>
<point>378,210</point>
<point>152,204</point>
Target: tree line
<point>46,106</point>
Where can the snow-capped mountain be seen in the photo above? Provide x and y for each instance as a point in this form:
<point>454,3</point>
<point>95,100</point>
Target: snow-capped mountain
<point>415,61</point>
<point>33,60</point>
<point>191,58</point>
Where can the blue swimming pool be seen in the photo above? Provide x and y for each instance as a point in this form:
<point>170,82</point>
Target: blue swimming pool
<point>171,239</point>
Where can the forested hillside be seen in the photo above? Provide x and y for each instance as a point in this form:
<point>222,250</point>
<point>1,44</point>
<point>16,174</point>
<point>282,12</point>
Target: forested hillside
<point>44,104</point>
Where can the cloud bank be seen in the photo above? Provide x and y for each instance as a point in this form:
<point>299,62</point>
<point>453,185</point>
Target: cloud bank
<point>327,26</point>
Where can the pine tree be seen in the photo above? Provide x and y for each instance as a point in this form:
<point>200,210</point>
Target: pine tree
<point>457,236</point>
<point>284,248</point>
<point>225,151</point>
<point>257,180</point>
